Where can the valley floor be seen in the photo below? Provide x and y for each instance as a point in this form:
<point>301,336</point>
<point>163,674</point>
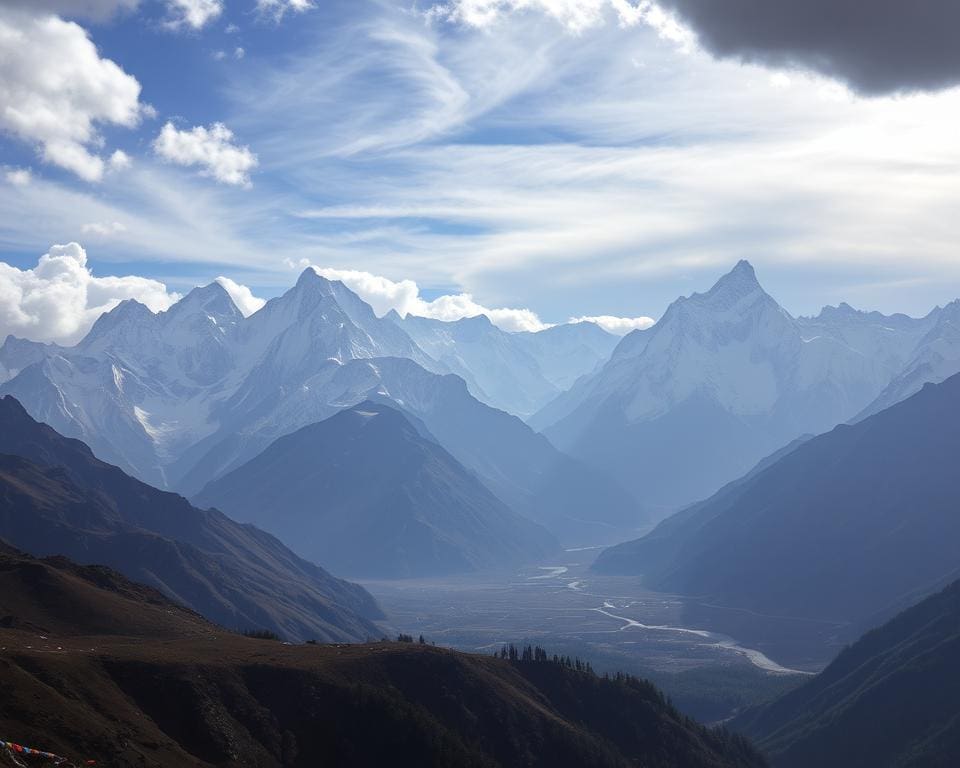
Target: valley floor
<point>722,658</point>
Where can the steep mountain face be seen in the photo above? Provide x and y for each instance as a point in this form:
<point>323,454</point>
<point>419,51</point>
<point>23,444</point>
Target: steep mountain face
<point>57,498</point>
<point>136,387</point>
<point>166,690</point>
<point>935,358</point>
<point>846,526</point>
<point>17,354</point>
<point>143,389</point>
<point>890,700</point>
<point>515,372</point>
<point>183,397</point>
<point>890,339</point>
<point>366,494</point>
<point>576,503</point>
<point>722,380</point>
<point>568,351</point>
<point>497,368</point>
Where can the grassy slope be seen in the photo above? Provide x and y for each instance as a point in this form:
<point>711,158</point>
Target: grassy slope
<point>94,666</point>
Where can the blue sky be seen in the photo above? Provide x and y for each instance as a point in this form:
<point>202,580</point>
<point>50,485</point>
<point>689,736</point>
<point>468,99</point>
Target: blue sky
<point>568,157</point>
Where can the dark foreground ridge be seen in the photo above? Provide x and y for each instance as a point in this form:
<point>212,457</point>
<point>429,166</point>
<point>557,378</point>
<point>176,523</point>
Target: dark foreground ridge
<point>112,671</point>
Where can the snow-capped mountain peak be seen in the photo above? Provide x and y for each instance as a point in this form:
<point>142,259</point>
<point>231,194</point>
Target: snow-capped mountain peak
<point>734,296</point>
<point>210,300</point>
<point>723,379</point>
<point>739,282</point>
<point>127,313</point>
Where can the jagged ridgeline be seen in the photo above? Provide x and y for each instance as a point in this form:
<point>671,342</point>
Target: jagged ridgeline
<point>727,377</point>
<point>181,398</point>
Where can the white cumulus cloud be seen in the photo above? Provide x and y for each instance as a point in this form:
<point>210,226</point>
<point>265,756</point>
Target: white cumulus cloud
<point>120,160</point>
<point>575,15</point>
<point>384,294</point>
<point>619,326</point>
<point>211,149</point>
<point>193,13</point>
<point>55,89</point>
<point>19,177</point>
<point>60,298</point>
<point>242,296</point>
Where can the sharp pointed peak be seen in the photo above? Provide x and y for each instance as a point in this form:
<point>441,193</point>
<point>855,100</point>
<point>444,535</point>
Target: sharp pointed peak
<point>310,276</point>
<point>739,282</point>
<point>312,281</point>
<point>737,288</point>
<point>130,306</point>
<point>313,288</point>
<point>742,274</point>
<point>127,312</point>
<point>128,309</point>
<point>212,297</point>
<point>214,288</point>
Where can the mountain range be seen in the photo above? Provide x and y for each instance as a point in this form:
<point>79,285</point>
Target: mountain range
<point>727,377</point>
<point>182,397</point>
<point>368,493</point>
<point>848,526</point>
<point>97,668</point>
<point>515,372</point>
<point>57,498</point>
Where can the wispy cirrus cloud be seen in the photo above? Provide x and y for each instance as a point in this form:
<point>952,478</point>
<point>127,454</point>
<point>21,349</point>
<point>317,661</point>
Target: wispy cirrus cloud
<point>585,170</point>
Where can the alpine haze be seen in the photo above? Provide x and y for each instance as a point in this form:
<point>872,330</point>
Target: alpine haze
<point>367,493</point>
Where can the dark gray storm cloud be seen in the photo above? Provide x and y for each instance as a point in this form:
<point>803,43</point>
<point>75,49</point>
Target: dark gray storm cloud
<point>876,46</point>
